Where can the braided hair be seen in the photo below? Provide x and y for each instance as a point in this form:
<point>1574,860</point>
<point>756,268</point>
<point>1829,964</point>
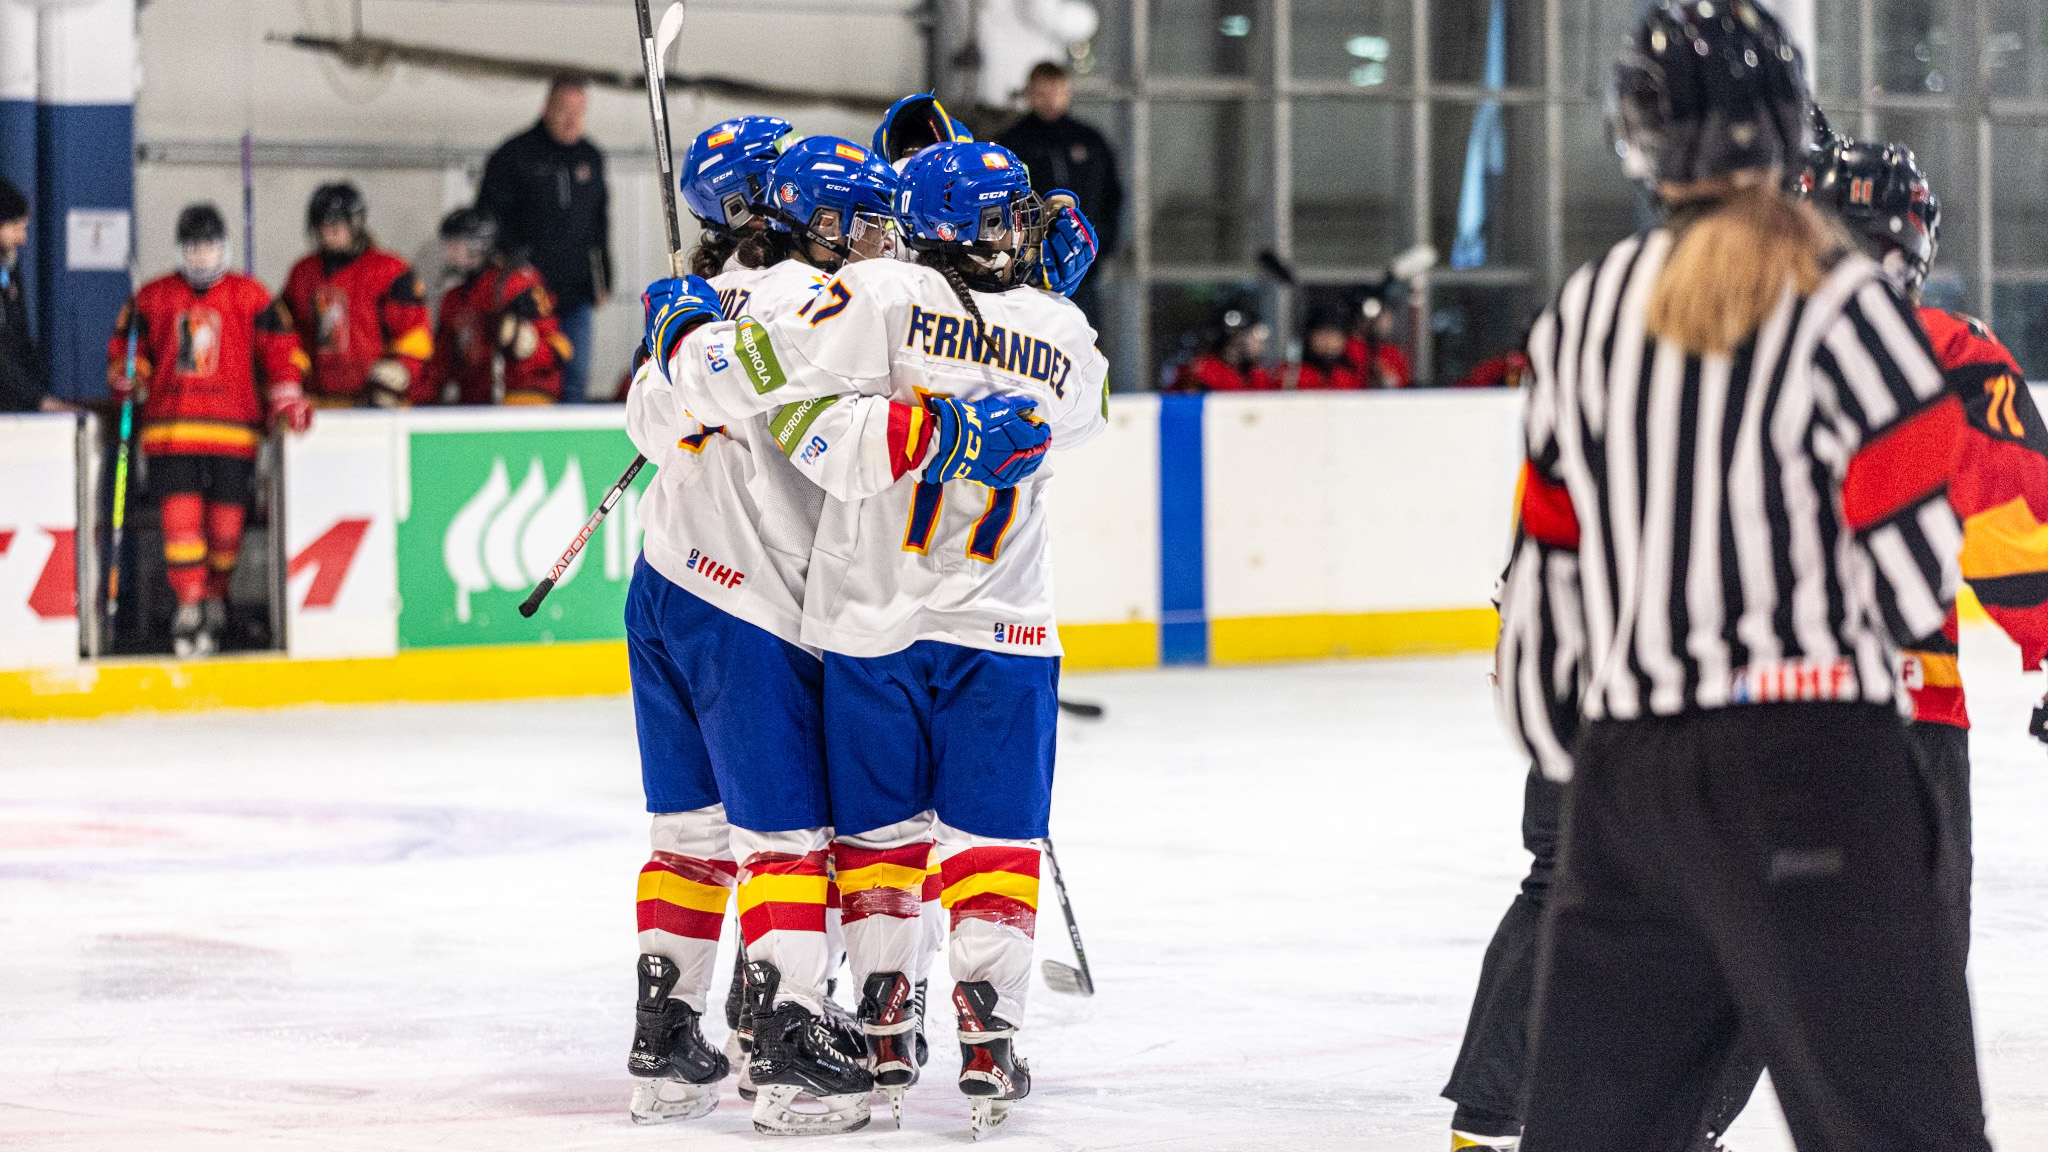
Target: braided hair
<point>947,262</point>
<point>713,249</point>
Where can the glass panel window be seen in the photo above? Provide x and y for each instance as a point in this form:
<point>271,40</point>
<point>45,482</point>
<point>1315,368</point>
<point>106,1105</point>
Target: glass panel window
<point>1832,69</point>
<point>2022,311</point>
<point>1486,184</point>
<point>1369,43</point>
<point>1472,323</point>
<point>1459,40</point>
<point>2019,176</point>
<point>1600,204</point>
<point>2016,47</point>
<point>1209,173</point>
<point>1914,55</point>
<point>1353,184</point>
<point>1209,38</point>
<point>1593,35</point>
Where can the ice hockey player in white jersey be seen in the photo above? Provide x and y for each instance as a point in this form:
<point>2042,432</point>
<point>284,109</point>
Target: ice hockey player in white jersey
<point>735,778</point>
<point>922,397</point>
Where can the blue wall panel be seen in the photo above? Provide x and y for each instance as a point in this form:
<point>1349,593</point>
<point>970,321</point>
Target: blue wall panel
<point>87,154</point>
<point>1183,614</point>
<point>18,163</point>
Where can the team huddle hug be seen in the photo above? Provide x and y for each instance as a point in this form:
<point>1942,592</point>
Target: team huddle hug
<point>844,658</point>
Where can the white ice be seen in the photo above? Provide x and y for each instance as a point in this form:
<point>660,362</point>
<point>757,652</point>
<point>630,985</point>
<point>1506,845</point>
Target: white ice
<point>412,927</point>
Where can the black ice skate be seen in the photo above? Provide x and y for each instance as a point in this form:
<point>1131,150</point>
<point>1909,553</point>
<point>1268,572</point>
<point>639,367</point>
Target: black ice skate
<point>677,1072</point>
<point>799,1053</point>
<point>739,1042</point>
<point>188,633</point>
<point>991,1073</point>
<point>892,1020</point>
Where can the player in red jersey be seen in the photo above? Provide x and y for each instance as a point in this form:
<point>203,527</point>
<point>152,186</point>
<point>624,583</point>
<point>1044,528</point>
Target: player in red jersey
<point>360,311</point>
<point>1373,344</point>
<point>1229,360</point>
<point>497,340</point>
<point>205,340</point>
<point>1324,363</point>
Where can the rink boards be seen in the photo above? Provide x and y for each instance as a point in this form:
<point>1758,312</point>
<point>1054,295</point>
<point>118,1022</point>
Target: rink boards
<point>1221,529</point>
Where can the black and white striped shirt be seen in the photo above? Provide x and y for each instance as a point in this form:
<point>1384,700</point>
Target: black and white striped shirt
<point>1698,532</point>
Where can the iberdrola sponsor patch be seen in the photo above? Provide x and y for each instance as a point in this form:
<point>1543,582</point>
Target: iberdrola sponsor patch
<point>791,421</point>
<point>757,356</point>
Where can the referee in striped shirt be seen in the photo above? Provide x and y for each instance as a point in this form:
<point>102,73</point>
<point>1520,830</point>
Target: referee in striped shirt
<point>1733,516</point>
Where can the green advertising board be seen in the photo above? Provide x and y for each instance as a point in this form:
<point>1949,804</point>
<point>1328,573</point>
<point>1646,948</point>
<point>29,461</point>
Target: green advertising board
<point>490,512</point>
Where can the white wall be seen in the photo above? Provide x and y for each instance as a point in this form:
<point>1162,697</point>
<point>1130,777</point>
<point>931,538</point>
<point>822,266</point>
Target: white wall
<point>208,74</point>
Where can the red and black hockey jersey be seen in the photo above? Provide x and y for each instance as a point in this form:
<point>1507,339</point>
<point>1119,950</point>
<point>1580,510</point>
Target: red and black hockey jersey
<point>2000,492</point>
<point>351,315</point>
<point>200,357</point>
<point>479,328</point>
<point>1211,373</point>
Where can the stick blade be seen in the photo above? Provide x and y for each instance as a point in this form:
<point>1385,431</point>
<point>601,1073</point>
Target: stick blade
<point>665,33</point>
<point>1085,709</point>
<point>1414,262</point>
<point>1271,264</point>
<point>1066,979</point>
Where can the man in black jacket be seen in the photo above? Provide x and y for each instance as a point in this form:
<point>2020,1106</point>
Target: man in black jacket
<point>21,378</point>
<point>1062,152</point>
<point>545,188</point>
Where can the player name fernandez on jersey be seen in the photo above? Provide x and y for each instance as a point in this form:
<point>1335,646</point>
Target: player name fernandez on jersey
<point>963,338</point>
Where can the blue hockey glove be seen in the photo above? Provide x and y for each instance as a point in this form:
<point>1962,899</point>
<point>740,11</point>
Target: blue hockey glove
<point>995,440</point>
<point>1069,248</point>
<point>673,307</point>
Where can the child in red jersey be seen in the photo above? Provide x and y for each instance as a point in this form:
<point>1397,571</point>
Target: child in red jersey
<point>205,339</point>
<point>498,340</point>
<point>361,312</point>
<point>1229,360</point>
<point>1324,364</point>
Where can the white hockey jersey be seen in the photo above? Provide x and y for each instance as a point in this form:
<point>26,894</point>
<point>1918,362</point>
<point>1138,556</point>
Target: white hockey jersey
<point>727,517</point>
<point>899,559</point>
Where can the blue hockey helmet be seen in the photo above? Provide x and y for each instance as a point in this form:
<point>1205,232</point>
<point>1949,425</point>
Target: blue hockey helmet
<point>913,124</point>
<point>829,191</point>
<point>725,171</point>
<point>975,197</point>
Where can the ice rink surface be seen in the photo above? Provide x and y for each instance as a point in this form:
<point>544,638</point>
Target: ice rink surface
<point>412,927</point>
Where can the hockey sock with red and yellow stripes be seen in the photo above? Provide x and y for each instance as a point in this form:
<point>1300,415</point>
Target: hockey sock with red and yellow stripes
<point>223,546</point>
<point>784,889</point>
<point>881,884</point>
<point>182,516</point>
<point>683,892</point>
<point>990,894</point>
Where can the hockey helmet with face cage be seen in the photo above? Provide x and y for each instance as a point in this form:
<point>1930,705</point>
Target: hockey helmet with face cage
<point>1881,193</point>
<point>725,171</point>
<point>823,186</point>
<point>973,194</point>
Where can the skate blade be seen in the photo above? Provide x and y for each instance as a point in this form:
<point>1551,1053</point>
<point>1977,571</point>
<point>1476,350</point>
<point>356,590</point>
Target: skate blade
<point>664,1101</point>
<point>1066,980</point>
<point>987,1115</point>
<point>775,1112</point>
<point>895,1094</point>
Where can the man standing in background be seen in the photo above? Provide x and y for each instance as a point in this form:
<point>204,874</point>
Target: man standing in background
<point>545,188</point>
<point>1062,152</point>
<point>21,378</point>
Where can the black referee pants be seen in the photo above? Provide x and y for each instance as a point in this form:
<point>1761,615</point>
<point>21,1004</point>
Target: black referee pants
<point>1769,872</point>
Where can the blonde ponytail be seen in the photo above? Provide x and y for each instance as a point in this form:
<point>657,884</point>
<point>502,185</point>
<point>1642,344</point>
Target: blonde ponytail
<point>1731,264</point>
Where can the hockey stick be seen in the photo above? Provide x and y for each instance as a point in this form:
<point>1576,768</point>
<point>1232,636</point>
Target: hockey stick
<point>653,47</point>
<point>120,510</point>
<point>1061,977</point>
<point>1081,708</point>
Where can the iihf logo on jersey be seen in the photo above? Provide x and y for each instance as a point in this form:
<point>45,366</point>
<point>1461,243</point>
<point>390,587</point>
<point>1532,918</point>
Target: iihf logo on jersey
<point>713,571</point>
<point>1020,633</point>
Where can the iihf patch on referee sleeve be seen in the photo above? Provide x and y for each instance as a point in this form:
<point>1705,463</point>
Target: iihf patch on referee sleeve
<point>757,356</point>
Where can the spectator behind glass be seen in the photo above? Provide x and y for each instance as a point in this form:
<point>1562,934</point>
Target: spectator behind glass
<point>1372,342</point>
<point>1324,362</point>
<point>21,379</point>
<point>1229,360</point>
<point>545,188</point>
<point>1062,152</point>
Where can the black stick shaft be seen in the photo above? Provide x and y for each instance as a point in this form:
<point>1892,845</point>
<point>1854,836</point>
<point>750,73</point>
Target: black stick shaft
<point>657,111</point>
<point>604,508</point>
<point>1059,883</point>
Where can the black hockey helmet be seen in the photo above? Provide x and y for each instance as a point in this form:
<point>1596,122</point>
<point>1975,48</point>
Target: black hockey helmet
<point>1880,192</point>
<point>1707,88</point>
<point>201,224</point>
<point>473,225</point>
<point>337,203</point>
